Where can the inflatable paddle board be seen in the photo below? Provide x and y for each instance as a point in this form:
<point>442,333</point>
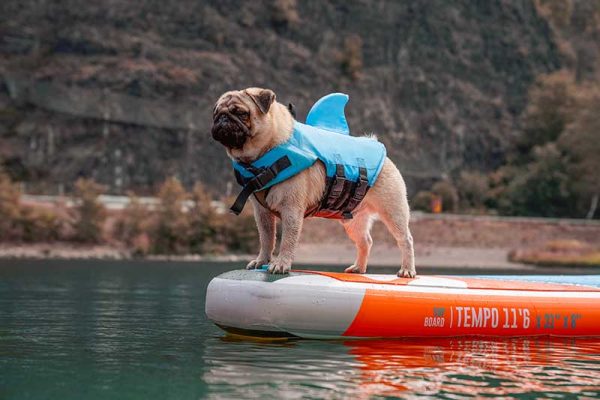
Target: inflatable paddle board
<point>329,305</point>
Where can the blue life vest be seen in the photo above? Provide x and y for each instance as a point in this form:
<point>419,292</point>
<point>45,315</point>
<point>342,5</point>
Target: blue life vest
<point>352,164</point>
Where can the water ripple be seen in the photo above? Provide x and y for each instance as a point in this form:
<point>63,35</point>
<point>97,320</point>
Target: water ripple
<point>117,331</point>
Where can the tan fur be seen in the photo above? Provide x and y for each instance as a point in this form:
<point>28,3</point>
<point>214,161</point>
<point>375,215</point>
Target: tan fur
<point>291,198</point>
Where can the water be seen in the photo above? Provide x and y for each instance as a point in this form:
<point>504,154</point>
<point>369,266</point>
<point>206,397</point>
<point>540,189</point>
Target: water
<point>103,330</point>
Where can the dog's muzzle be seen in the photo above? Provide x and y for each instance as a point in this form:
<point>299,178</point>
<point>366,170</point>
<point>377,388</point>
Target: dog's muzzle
<point>229,130</point>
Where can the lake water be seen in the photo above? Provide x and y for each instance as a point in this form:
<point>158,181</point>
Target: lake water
<point>137,330</point>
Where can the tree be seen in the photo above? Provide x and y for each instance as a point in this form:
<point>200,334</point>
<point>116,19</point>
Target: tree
<point>550,109</point>
<point>204,223</point>
<point>9,207</point>
<point>542,188</point>
<point>173,226</point>
<point>90,213</point>
<point>133,226</point>
<point>581,143</point>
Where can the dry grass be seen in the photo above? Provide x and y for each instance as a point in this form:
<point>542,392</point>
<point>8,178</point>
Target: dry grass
<point>559,253</point>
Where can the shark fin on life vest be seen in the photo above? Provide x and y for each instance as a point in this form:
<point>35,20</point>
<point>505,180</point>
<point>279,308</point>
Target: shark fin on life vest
<point>328,113</point>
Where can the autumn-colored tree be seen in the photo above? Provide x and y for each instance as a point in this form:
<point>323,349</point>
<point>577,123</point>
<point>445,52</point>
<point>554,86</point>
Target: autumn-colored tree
<point>204,223</point>
<point>134,225</point>
<point>90,214</point>
<point>172,226</point>
<point>41,224</point>
<point>9,207</point>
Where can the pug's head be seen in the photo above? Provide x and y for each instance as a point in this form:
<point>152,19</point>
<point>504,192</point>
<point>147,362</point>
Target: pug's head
<point>248,122</point>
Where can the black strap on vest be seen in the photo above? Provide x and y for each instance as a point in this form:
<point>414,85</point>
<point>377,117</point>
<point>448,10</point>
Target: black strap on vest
<point>263,176</point>
<point>360,190</point>
<point>342,196</point>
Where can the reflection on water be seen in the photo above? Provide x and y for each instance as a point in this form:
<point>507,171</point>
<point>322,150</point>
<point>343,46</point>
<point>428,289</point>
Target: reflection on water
<point>138,330</point>
<point>439,367</point>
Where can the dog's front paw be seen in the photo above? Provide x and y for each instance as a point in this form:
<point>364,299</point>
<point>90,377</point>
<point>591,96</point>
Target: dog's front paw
<point>353,269</point>
<point>407,272</point>
<point>280,266</point>
<point>254,264</point>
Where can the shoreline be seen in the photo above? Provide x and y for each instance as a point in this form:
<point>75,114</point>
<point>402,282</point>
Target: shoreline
<point>384,258</point>
<point>475,243</point>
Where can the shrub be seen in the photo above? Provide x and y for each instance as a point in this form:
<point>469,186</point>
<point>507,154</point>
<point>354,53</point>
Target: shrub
<point>89,212</point>
<point>39,224</point>
<point>541,188</point>
<point>472,189</point>
<point>422,201</point>
<point>448,193</point>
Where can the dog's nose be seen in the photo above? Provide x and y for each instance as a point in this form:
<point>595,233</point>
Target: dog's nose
<point>222,118</point>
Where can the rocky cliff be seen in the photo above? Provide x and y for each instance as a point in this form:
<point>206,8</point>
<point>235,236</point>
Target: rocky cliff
<point>123,91</point>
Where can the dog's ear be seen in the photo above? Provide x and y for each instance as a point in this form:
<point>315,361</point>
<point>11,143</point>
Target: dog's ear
<point>292,110</point>
<point>263,99</point>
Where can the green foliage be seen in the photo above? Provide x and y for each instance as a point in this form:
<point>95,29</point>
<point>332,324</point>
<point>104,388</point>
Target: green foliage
<point>541,188</point>
<point>89,212</point>
<point>581,143</point>
<point>550,109</point>
<point>552,171</point>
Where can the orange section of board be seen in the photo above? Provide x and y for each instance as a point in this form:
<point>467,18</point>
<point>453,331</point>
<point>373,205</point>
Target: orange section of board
<point>386,313</point>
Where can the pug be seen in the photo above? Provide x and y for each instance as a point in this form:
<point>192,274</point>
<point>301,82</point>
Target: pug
<point>250,122</point>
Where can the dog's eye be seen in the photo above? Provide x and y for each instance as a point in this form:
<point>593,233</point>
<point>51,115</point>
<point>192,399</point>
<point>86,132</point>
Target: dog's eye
<point>242,114</point>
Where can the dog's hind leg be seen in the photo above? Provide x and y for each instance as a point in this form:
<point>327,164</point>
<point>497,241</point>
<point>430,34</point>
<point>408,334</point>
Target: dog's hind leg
<point>359,230</point>
<point>397,224</point>
<point>388,199</point>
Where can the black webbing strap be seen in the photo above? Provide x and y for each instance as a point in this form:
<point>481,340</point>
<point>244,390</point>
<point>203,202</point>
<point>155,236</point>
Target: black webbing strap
<point>360,190</point>
<point>239,178</point>
<point>263,176</point>
<point>337,188</point>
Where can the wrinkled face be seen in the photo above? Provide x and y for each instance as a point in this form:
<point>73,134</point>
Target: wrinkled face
<point>237,114</point>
